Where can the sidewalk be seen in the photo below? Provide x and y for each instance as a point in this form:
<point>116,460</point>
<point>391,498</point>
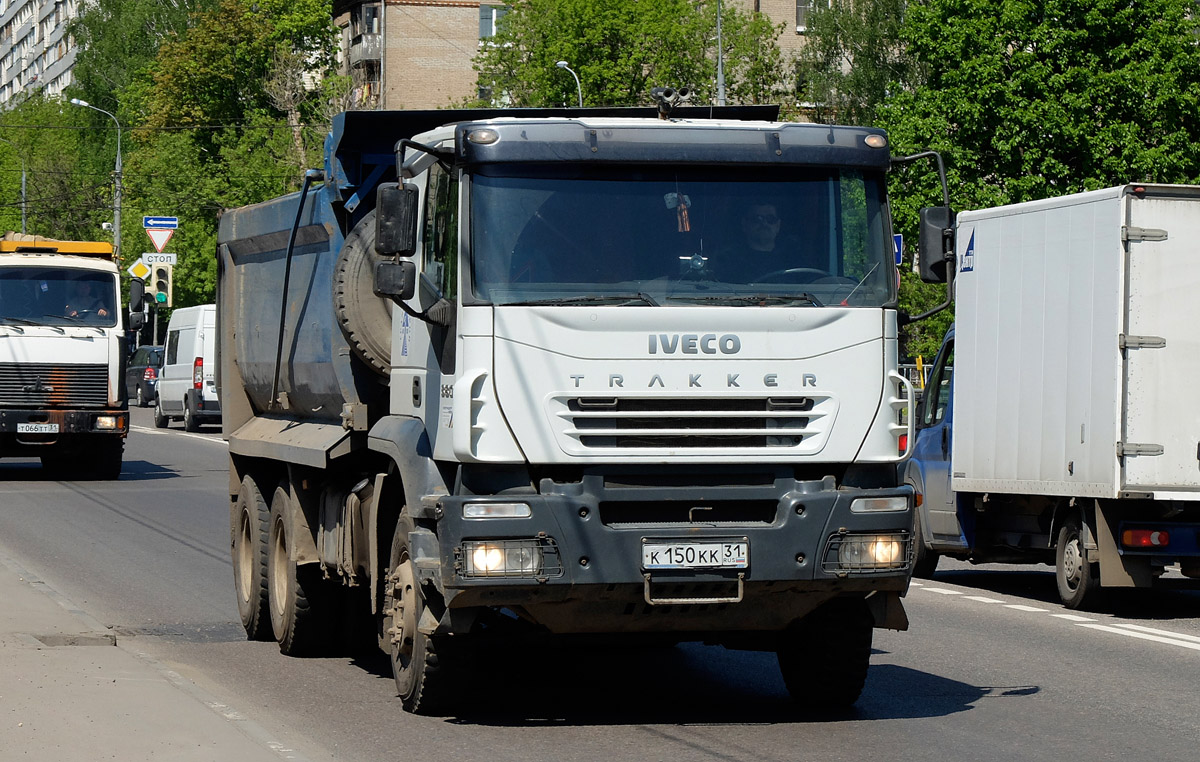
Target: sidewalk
<point>68,690</point>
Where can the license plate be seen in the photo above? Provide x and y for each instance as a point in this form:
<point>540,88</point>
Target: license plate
<point>37,428</point>
<point>667,554</point>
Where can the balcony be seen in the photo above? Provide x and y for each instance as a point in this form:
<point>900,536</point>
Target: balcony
<point>365,48</point>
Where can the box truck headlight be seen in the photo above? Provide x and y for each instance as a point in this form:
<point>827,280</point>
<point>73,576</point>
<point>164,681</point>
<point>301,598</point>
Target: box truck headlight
<point>502,558</point>
<point>866,552</point>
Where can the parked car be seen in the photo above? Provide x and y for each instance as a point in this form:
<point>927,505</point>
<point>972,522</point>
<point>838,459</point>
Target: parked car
<point>187,384</point>
<point>141,377</point>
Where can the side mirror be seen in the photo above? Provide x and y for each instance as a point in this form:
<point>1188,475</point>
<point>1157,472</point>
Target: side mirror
<point>395,280</point>
<point>936,243</point>
<point>396,211</point>
<point>136,320</point>
<point>137,294</point>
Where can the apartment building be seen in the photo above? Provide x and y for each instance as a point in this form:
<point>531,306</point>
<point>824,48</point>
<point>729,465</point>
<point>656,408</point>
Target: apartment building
<point>35,50</point>
<point>417,53</point>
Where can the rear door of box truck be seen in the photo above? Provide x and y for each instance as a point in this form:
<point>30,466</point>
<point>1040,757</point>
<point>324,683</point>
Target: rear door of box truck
<point>1161,396</point>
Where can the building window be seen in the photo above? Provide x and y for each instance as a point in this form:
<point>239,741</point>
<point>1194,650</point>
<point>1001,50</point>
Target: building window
<point>489,18</point>
<point>804,10</point>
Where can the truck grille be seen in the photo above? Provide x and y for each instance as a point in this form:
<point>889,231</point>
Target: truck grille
<point>645,423</point>
<point>52,385</point>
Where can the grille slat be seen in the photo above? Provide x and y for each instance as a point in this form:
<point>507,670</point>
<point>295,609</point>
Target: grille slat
<point>652,422</point>
<point>53,385</point>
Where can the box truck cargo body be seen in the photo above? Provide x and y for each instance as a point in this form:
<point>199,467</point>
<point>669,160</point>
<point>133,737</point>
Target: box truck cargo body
<point>1061,422</point>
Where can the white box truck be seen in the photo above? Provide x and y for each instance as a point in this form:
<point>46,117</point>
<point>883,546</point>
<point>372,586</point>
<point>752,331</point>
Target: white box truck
<point>1061,424</point>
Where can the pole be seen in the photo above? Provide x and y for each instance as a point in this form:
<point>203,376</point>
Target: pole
<point>720,61</point>
<point>116,180</point>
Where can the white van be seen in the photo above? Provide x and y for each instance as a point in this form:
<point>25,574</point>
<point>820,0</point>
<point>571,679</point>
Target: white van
<point>187,384</point>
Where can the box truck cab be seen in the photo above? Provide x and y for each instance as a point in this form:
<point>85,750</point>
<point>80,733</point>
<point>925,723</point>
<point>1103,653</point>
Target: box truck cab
<point>187,386</point>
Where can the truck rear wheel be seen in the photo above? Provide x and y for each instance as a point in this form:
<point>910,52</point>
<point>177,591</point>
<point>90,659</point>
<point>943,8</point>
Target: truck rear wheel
<point>824,657</point>
<point>1078,581</point>
<point>250,561</point>
<point>419,661</point>
<point>189,418</point>
<point>294,591</point>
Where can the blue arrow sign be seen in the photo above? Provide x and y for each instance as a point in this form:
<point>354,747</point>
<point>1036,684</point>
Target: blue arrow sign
<point>160,223</point>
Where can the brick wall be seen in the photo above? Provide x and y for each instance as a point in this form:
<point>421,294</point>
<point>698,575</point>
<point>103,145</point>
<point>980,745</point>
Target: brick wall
<point>428,48</point>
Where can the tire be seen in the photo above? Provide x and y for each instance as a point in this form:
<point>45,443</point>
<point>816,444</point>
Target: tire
<point>925,561</point>
<point>824,657</point>
<point>1078,581</point>
<point>189,418</point>
<point>421,663</point>
<point>141,397</point>
<point>249,549</point>
<point>107,464</point>
<point>294,592</point>
<point>161,421</point>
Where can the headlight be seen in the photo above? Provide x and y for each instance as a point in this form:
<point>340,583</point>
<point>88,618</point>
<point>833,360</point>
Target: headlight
<point>106,422</point>
<point>502,558</point>
<point>884,552</point>
<point>879,504</point>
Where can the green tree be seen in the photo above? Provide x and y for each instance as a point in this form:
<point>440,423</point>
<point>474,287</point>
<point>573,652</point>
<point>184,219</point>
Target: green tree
<point>621,50</point>
<point>1028,100</point>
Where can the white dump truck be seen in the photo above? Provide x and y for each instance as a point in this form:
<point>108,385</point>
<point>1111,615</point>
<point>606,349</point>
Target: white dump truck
<point>520,370</point>
<point>1061,424</point>
<point>62,356</point>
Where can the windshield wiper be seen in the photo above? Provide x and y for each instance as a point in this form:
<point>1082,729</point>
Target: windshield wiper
<point>644,298</point>
<point>760,299</point>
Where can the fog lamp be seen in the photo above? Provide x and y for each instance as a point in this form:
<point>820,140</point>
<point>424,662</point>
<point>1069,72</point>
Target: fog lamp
<point>870,552</point>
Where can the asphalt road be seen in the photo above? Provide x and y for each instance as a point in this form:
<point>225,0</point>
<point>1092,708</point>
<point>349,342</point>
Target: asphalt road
<point>993,668</point>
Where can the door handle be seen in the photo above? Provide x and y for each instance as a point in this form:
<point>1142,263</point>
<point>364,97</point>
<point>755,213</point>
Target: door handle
<point>945,441</point>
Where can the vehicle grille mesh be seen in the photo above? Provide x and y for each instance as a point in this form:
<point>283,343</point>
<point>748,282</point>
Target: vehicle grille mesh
<point>53,385</point>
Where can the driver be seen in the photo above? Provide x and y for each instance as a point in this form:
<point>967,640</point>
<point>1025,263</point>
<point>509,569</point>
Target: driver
<point>84,303</point>
<point>762,249</point>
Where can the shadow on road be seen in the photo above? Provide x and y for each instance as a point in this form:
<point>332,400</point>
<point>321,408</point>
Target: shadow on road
<point>131,471</point>
<point>1171,597</point>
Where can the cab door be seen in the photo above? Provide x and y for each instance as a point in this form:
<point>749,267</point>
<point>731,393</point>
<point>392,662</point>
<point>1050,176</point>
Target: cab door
<point>931,452</point>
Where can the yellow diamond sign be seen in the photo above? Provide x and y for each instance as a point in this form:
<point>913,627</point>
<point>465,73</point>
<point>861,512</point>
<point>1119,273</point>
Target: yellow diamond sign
<point>140,269</point>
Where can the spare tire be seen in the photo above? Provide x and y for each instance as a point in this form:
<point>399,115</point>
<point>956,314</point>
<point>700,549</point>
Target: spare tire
<point>366,319</point>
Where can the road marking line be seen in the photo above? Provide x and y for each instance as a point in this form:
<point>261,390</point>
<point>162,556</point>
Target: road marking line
<point>917,584</point>
<point>1073,617</point>
<point>201,437</point>
<point>981,599</point>
<point>1164,633</point>
<point>943,591</point>
<point>1143,636</point>
<point>1019,607</point>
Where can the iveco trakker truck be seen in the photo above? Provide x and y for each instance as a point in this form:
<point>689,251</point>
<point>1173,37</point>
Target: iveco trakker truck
<point>1060,422</point>
<point>62,356</point>
<point>527,369</point>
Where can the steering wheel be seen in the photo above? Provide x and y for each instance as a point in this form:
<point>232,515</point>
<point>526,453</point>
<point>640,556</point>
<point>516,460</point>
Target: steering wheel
<point>792,275</point>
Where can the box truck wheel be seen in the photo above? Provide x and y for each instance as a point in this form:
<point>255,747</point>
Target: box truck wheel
<point>419,661</point>
<point>824,656</point>
<point>1078,580</point>
<point>250,561</point>
<point>294,591</point>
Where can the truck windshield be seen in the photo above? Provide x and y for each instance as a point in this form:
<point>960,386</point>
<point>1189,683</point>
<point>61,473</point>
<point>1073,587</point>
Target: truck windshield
<point>57,296</point>
<point>646,236</point>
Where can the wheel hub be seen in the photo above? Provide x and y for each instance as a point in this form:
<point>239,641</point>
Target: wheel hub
<point>401,594</point>
<point>1072,562</point>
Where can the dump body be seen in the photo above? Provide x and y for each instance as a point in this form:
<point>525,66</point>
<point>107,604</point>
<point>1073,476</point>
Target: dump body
<point>1071,356</point>
<point>62,355</point>
<point>588,405</point>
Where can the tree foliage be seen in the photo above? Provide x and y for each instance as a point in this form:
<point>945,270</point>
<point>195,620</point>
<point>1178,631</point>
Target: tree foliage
<point>621,50</point>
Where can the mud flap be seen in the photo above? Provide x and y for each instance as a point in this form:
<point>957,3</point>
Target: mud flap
<point>1117,570</point>
<point>888,611</point>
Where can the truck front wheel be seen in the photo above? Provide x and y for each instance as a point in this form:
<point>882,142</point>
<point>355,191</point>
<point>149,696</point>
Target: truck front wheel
<point>824,657</point>
<point>1078,580</point>
<point>294,591</point>
<point>419,661</point>
<point>250,561</point>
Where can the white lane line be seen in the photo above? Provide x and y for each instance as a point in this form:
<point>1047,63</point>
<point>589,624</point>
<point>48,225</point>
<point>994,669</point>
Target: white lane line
<point>201,437</point>
<point>916,584</point>
<point>1073,617</point>
<point>1019,607</point>
<point>942,591</point>
<point>981,599</point>
<point>1143,635</point>
<point>1164,633</point>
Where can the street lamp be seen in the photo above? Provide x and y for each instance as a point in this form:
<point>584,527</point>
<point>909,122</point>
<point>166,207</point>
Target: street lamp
<point>24,200</point>
<point>117,175</point>
<point>578,87</point>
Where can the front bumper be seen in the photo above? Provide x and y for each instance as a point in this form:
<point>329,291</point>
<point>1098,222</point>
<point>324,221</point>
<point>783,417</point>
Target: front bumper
<point>56,428</point>
<point>590,535</point>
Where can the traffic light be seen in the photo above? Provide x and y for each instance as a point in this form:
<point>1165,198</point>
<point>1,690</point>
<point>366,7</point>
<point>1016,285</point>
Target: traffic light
<point>161,285</point>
